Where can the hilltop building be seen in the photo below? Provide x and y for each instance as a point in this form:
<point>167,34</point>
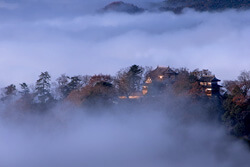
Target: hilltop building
<point>135,95</point>
<point>210,85</point>
<point>158,79</point>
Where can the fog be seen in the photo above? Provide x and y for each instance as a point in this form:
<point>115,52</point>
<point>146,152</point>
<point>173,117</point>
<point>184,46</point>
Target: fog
<point>131,135</point>
<point>72,37</point>
<point>45,8</point>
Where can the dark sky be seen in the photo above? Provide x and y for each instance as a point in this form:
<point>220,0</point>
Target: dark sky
<point>68,36</point>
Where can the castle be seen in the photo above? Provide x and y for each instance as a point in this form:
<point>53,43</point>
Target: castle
<point>158,79</point>
<point>161,78</point>
<point>210,85</point>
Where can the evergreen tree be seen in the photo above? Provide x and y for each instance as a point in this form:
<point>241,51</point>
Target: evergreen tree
<point>24,89</point>
<point>129,80</point>
<point>134,77</point>
<point>43,88</point>
<point>75,83</point>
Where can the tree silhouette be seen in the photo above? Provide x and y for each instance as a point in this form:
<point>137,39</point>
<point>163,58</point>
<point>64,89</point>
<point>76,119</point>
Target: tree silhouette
<point>43,88</point>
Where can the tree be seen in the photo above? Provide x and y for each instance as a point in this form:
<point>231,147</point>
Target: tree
<point>9,92</point>
<point>42,88</point>
<point>182,83</point>
<point>75,83</point>
<point>230,86</point>
<point>85,79</point>
<point>130,80</point>
<point>99,90</point>
<point>135,77</point>
<point>199,73</point>
<point>63,87</point>
<point>24,89</point>
<point>236,104</point>
<point>102,93</point>
<point>100,78</point>
<point>244,80</point>
<point>24,103</point>
<point>121,83</point>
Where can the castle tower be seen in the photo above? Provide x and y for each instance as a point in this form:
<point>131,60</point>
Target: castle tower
<point>210,85</point>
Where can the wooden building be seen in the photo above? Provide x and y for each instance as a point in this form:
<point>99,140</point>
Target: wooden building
<point>158,79</point>
<point>210,85</point>
<point>135,95</point>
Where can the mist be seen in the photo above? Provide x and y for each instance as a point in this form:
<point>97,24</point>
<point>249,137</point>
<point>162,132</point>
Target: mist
<point>32,9</point>
<point>88,42</point>
<point>73,37</point>
<point>128,135</point>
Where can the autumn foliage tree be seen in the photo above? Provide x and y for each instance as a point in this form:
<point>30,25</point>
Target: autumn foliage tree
<point>130,80</point>
<point>186,82</point>
<point>237,104</point>
<point>105,90</point>
<point>99,90</point>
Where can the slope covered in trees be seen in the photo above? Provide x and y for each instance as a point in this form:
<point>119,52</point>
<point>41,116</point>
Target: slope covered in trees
<point>204,5</point>
<point>231,107</point>
<point>120,6</point>
<point>178,5</point>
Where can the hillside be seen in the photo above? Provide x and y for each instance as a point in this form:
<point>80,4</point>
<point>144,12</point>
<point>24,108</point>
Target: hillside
<point>120,6</point>
<point>205,5</point>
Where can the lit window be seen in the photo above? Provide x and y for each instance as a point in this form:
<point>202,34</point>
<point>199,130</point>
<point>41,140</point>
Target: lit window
<point>144,92</point>
<point>149,80</point>
<point>161,76</point>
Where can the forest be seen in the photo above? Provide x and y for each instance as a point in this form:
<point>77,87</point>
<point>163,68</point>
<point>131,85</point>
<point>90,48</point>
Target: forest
<point>208,5</point>
<point>231,107</point>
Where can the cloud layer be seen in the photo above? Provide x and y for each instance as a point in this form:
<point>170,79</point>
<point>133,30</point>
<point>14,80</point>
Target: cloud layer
<point>128,136</point>
<point>87,43</point>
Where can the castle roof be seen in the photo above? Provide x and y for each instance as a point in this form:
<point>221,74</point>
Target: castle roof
<point>209,78</point>
<point>162,71</point>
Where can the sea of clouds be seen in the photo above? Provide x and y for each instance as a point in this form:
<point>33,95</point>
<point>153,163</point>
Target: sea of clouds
<point>124,136</point>
<point>72,37</point>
